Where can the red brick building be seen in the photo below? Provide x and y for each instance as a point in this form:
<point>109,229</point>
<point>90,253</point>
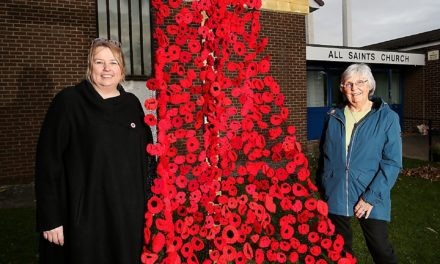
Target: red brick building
<point>422,85</point>
<point>44,49</point>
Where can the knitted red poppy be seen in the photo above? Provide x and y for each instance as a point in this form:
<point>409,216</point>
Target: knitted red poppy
<point>232,179</point>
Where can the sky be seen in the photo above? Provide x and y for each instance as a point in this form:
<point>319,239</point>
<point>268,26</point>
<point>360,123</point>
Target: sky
<point>375,21</point>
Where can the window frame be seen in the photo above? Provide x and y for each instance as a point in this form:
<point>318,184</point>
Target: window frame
<point>139,33</point>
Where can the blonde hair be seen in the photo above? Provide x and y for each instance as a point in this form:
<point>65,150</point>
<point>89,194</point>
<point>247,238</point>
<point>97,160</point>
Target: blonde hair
<point>115,48</point>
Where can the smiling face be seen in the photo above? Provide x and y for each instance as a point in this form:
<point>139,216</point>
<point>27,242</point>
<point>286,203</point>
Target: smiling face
<point>357,85</point>
<point>356,89</point>
<point>106,72</point>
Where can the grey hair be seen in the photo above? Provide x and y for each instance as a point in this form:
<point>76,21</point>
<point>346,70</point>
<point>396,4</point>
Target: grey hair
<point>363,70</point>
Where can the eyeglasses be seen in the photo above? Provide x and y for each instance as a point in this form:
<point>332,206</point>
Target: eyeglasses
<point>104,40</point>
<point>358,83</point>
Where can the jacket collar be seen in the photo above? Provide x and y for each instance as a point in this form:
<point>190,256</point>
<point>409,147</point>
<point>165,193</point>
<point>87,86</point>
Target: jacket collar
<point>88,87</point>
<point>338,112</point>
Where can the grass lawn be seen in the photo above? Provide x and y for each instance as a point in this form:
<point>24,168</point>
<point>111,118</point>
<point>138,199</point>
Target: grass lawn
<point>414,229</point>
<point>18,239</point>
<point>415,223</point>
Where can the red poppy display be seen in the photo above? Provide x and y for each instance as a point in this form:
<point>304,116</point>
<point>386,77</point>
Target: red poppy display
<point>150,104</point>
<point>233,184</point>
<point>155,205</point>
<point>150,120</point>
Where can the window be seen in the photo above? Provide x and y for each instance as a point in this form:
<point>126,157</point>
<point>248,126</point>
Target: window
<point>395,87</point>
<point>337,96</point>
<point>382,85</point>
<point>388,86</point>
<point>316,89</point>
<point>128,21</point>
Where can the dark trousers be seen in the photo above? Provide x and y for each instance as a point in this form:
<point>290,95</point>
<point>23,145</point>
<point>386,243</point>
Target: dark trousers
<point>375,233</point>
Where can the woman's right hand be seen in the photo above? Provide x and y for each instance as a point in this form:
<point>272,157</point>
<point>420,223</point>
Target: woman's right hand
<point>55,235</point>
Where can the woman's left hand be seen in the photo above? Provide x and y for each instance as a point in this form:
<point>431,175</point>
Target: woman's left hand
<point>362,208</point>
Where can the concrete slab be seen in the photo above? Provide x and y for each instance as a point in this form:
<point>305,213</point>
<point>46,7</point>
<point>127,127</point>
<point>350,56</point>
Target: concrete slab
<point>416,146</point>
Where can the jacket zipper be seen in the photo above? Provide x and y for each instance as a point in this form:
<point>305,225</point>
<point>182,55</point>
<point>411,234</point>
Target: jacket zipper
<point>347,164</point>
<point>350,150</point>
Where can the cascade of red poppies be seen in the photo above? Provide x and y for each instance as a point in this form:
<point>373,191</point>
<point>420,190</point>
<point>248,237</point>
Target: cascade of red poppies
<point>233,184</point>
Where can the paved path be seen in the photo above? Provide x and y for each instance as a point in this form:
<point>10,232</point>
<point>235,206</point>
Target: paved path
<point>416,146</point>
<point>20,195</point>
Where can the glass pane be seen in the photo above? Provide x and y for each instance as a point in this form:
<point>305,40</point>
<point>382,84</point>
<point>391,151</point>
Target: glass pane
<point>102,18</point>
<point>316,89</point>
<point>395,87</point>
<point>381,86</point>
<point>113,20</point>
<point>135,37</point>
<point>130,24</point>
<point>337,96</point>
<point>147,36</point>
<point>125,36</point>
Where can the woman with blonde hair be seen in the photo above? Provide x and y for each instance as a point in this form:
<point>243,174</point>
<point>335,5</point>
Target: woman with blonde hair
<point>92,169</point>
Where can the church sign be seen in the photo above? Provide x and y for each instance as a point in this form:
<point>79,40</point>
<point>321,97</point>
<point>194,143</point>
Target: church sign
<point>315,53</point>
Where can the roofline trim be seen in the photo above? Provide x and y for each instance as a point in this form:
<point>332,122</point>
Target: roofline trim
<point>415,47</point>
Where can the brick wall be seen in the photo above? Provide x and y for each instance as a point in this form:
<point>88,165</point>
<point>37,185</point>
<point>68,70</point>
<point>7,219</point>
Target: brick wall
<point>43,48</point>
<point>287,50</point>
<point>432,89</point>
<point>422,93</point>
<point>413,102</point>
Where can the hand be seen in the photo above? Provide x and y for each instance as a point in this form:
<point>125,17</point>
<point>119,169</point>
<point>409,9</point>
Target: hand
<point>55,235</point>
<point>362,208</point>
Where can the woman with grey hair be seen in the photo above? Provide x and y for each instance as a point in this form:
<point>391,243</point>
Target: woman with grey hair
<point>360,159</point>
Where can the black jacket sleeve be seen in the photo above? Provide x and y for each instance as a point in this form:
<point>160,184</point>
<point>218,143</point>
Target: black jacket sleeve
<point>151,168</point>
<point>151,161</point>
<point>49,167</point>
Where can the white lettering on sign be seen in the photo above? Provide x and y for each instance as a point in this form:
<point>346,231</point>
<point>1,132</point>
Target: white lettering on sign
<point>314,53</point>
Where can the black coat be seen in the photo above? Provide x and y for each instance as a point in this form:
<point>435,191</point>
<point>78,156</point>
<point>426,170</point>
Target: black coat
<point>92,176</point>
